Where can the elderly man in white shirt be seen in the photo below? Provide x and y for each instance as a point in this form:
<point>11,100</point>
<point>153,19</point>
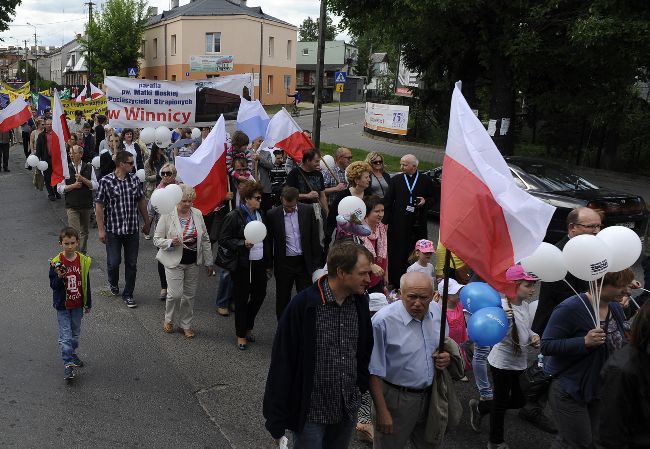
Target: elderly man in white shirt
<point>403,363</point>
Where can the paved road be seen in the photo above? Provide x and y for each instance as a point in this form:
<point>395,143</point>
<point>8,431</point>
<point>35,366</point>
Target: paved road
<point>141,387</point>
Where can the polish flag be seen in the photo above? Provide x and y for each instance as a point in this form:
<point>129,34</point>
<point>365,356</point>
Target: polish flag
<point>60,135</point>
<point>485,219</point>
<point>252,119</point>
<point>95,93</point>
<point>283,132</point>
<point>15,114</point>
<point>205,169</point>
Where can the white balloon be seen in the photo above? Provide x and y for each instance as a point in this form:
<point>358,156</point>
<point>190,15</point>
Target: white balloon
<point>196,133</point>
<point>42,165</point>
<point>175,191</point>
<point>327,159</point>
<point>140,174</point>
<point>148,135</point>
<point>352,205</point>
<point>163,144</point>
<point>96,162</point>
<point>624,244</point>
<point>162,134</point>
<point>586,257</point>
<point>255,231</point>
<point>163,201</point>
<point>546,263</point>
<point>32,160</point>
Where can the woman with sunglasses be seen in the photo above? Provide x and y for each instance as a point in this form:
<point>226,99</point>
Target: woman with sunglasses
<point>152,169</point>
<point>379,179</point>
<point>250,273</point>
<point>167,176</point>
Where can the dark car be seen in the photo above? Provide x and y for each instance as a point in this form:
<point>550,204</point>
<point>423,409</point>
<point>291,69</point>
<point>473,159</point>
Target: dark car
<point>565,190</point>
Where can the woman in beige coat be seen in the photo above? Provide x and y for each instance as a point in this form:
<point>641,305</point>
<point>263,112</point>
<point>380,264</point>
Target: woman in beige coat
<point>184,244</point>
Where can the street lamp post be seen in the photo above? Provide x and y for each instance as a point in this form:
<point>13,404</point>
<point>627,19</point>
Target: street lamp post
<point>35,57</point>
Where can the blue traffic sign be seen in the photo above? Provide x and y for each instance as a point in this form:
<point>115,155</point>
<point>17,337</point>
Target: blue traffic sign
<point>340,77</point>
<point>133,72</point>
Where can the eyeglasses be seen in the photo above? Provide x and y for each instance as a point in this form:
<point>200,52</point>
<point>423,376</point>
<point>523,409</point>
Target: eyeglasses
<point>166,173</point>
<point>379,162</point>
<point>592,226</point>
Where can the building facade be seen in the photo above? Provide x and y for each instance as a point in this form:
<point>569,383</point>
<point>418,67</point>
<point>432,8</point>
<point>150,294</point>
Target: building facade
<point>210,38</point>
<point>68,64</point>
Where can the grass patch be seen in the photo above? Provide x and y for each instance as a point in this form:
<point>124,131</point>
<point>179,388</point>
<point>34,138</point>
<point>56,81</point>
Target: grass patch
<point>391,163</point>
<point>272,109</point>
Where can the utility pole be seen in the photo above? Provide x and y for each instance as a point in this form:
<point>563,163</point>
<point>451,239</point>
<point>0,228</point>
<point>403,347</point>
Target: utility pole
<point>35,57</point>
<point>320,65</point>
<point>90,19</point>
<point>25,66</point>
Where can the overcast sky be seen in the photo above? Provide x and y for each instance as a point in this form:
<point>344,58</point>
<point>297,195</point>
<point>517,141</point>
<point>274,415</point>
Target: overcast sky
<point>57,21</point>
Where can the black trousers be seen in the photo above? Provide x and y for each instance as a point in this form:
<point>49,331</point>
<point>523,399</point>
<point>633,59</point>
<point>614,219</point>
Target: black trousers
<point>293,271</point>
<point>47,176</point>
<point>25,143</point>
<point>4,155</point>
<point>507,395</point>
<point>249,292</point>
<point>162,276</point>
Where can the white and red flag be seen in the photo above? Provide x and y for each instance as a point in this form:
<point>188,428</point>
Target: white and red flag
<point>205,169</point>
<point>283,132</point>
<point>15,114</point>
<point>485,219</point>
<point>95,93</point>
<point>60,135</point>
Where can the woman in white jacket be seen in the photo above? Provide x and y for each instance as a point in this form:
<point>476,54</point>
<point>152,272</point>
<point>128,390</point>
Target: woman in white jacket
<point>184,244</point>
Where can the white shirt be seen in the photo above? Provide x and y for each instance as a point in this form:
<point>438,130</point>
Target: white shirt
<point>130,148</point>
<point>429,269</point>
<point>77,169</point>
<point>502,355</point>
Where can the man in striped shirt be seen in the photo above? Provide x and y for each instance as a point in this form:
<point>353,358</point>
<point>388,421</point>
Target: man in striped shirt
<point>119,198</point>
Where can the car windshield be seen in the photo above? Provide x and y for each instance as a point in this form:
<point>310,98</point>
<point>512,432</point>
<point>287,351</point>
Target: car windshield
<point>552,178</point>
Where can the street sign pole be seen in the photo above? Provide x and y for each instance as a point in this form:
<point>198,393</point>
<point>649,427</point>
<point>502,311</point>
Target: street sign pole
<point>320,66</point>
<point>338,122</point>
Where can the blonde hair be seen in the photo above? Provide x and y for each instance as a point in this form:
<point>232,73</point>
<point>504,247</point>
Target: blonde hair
<point>188,192</point>
<point>355,170</point>
<point>373,154</point>
<point>168,165</point>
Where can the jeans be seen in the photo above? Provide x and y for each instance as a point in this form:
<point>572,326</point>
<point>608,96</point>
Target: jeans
<point>114,245</point>
<point>479,365</point>
<point>224,295</point>
<point>577,424</point>
<point>324,436</point>
<point>69,330</point>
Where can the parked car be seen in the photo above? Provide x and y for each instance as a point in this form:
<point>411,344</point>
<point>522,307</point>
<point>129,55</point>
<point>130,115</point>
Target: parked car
<point>565,190</point>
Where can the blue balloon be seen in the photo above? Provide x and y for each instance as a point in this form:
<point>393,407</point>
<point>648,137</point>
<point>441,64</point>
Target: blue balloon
<point>488,326</point>
<point>477,295</point>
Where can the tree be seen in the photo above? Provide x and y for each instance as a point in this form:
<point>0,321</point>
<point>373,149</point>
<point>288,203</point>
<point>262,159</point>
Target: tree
<point>114,36</point>
<point>7,10</point>
<point>308,31</point>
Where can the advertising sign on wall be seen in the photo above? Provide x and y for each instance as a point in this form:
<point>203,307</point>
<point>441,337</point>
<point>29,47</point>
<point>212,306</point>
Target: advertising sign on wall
<point>149,103</point>
<point>211,63</point>
<point>388,118</point>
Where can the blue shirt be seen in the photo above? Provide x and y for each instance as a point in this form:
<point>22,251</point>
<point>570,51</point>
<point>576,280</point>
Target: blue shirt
<point>403,347</point>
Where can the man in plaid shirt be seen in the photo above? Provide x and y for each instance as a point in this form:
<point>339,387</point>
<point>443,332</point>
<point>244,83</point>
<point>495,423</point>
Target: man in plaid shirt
<point>119,198</point>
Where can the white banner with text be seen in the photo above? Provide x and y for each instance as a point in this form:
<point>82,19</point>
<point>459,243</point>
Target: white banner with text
<point>387,118</point>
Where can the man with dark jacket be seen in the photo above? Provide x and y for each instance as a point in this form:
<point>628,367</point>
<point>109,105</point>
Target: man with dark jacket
<point>321,352</point>
<point>292,249</point>
<point>44,153</point>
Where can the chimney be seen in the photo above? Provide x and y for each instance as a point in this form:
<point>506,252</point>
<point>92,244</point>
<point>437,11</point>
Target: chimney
<point>174,3</point>
<point>152,11</point>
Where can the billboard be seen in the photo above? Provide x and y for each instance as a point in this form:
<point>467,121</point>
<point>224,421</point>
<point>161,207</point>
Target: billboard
<point>387,118</point>
<point>211,63</point>
<point>144,103</point>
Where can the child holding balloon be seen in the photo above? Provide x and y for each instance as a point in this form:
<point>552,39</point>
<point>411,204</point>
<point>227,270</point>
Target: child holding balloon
<point>508,358</point>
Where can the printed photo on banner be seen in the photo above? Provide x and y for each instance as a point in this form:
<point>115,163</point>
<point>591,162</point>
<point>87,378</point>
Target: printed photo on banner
<point>146,103</point>
<point>387,118</point>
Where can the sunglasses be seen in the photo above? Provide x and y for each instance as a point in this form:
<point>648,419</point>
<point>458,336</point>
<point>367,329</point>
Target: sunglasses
<point>377,162</point>
<point>166,173</point>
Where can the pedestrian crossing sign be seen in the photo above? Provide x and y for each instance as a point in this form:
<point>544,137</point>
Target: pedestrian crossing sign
<point>339,87</point>
<point>339,77</point>
<point>133,72</point>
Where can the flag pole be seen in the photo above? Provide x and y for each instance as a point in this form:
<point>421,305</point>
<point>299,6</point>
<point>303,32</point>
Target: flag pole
<point>445,295</point>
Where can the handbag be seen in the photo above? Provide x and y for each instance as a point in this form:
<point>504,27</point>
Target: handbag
<point>534,382</point>
<point>225,258</point>
<point>39,179</point>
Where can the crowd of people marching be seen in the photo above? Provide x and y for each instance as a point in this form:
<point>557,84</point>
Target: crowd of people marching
<point>356,347</point>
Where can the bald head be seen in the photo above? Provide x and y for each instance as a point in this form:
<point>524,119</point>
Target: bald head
<point>343,157</point>
<point>583,220</point>
<point>416,291</point>
<point>408,164</point>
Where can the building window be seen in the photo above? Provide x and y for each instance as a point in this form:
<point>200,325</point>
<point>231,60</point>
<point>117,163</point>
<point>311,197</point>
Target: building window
<point>173,77</point>
<point>287,82</point>
<point>212,42</point>
<point>289,49</point>
<point>155,48</point>
<point>144,48</point>
<point>271,45</point>
<point>269,84</point>
<point>305,52</point>
<point>173,45</point>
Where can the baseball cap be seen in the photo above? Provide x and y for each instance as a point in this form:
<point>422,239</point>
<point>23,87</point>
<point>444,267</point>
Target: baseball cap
<point>454,286</point>
<point>377,301</point>
<point>425,246</point>
<point>517,273</point>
